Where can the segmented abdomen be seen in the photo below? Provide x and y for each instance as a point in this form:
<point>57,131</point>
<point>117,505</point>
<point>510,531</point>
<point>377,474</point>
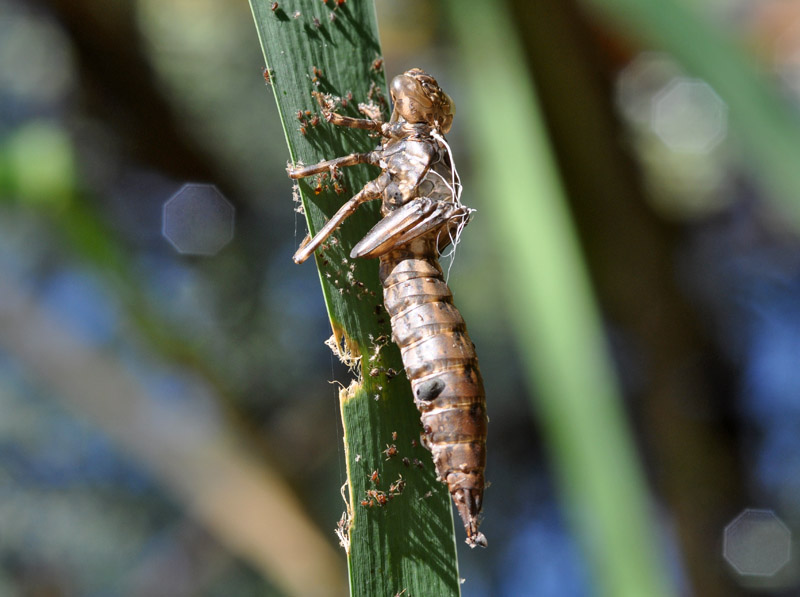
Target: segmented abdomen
<point>441,363</point>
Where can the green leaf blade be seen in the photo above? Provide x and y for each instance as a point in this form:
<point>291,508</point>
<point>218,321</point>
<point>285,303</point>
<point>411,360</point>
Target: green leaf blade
<point>556,321</point>
<point>405,546</point>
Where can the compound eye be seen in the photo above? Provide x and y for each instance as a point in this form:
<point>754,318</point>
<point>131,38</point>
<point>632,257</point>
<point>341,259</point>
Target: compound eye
<point>448,113</point>
<point>449,105</point>
<point>403,91</point>
<point>402,86</point>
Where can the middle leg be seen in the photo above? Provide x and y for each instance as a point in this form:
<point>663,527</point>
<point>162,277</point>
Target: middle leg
<point>370,157</point>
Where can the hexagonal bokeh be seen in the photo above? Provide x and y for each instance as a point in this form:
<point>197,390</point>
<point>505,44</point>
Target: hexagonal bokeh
<point>757,543</point>
<point>198,220</point>
<point>689,116</point>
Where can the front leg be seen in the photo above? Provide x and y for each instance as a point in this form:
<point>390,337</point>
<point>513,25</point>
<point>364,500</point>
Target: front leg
<point>326,104</point>
<point>353,123</point>
<point>386,129</point>
<point>371,157</point>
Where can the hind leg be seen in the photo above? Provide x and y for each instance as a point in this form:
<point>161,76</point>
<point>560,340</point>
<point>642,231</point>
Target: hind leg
<point>372,190</point>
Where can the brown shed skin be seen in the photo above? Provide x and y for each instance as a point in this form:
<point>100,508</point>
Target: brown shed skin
<point>422,215</point>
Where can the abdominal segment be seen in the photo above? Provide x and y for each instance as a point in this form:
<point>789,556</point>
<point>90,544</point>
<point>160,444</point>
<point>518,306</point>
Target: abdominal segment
<point>441,363</point>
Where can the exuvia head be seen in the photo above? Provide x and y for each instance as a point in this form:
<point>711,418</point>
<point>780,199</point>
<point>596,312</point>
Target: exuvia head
<point>418,99</point>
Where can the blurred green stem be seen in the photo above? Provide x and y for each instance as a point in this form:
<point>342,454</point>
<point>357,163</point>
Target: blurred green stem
<point>556,321</point>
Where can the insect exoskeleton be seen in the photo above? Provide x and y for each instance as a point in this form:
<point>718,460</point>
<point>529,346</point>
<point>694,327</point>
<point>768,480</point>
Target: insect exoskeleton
<point>420,193</point>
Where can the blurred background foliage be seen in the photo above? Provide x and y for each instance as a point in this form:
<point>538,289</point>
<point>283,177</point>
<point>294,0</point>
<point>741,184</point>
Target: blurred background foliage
<point>166,422</point>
